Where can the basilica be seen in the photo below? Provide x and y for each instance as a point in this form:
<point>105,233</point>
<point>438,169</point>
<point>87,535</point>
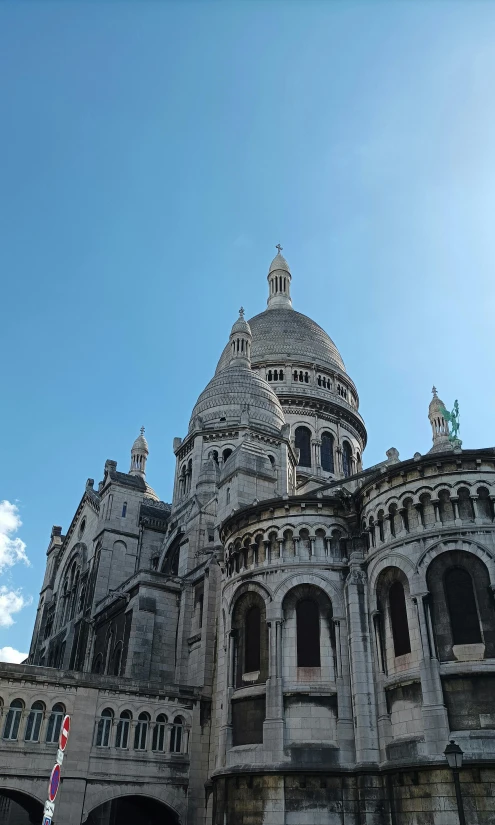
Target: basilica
<point>293,640</point>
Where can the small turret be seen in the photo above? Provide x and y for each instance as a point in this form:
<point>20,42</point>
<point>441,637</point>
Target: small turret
<point>439,425</point>
<point>279,278</point>
<point>139,454</point>
<point>240,342</point>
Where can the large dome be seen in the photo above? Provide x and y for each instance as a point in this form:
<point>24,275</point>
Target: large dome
<point>234,390</point>
<point>282,334</point>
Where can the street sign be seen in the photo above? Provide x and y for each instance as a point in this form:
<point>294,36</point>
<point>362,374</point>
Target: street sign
<point>54,783</point>
<point>64,733</point>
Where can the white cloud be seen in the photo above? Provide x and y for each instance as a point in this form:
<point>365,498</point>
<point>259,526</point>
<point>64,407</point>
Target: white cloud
<point>12,549</point>
<point>11,601</point>
<point>9,654</point>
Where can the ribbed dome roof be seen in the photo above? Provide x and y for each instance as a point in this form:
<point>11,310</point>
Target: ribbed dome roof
<point>140,444</point>
<point>279,262</point>
<point>234,389</point>
<point>150,492</point>
<point>282,334</point>
<point>241,325</point>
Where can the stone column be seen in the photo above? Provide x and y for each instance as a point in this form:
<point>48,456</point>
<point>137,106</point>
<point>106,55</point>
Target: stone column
<point>384,726</point>
<point>273,726</point>
<point>268,551</point>
<point>436,508</point>
<point>434,711</point>
<point>254,548</point>
<point>345,724</point>
<point>362,685</point>
<point>419,508</point>
<point>455,507</point>
<point>477,519</point>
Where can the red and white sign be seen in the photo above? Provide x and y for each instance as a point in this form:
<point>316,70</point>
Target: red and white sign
<point>64,733</point>
<point>54,783</point>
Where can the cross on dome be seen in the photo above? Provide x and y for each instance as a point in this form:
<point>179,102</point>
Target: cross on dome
<point>241,312</point>
<point>434,390</point>
<point>142,431</point>
<point>277,246</point>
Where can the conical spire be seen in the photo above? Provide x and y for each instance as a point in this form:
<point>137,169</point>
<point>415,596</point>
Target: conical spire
<point>139,454</point>
<point>279,278</point>
<point>240,341</point>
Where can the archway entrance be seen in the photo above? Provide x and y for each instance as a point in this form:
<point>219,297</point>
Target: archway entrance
<point>18,808</point>
<point>129,810</point>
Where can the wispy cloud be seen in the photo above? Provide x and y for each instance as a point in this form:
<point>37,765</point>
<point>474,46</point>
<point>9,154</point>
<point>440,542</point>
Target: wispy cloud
<point>12,551</point>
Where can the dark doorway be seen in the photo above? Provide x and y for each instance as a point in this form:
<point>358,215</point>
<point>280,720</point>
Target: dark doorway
<point>19,809</point>
<point>129,810</point>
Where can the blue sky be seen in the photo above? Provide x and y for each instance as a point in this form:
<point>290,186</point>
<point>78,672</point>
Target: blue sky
<point>154,153</point>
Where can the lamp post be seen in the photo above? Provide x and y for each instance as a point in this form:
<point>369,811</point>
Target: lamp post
<point>454,756</point>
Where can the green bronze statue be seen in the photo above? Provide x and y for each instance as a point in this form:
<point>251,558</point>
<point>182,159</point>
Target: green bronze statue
<point>453,419</point>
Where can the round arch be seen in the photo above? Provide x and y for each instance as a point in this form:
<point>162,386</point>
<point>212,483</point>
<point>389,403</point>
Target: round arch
<point>140,804</point>
<point>446,545</point>
<point>24,808</point>
<point>318,580</point>
<point>132,808</point>
<point>391,560</point>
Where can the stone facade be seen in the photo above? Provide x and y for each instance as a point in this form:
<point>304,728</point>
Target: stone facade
<point>294,639</point>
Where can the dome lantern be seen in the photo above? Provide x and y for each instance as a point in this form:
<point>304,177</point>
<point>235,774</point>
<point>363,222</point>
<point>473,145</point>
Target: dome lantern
<point>139,454</point>
<point>240,342</point>
<point>279,278</point>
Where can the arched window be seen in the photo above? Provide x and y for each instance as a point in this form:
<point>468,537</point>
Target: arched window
<point>82,598</point>
<point>55,723</point>
<point>461,603</point>
<point>176,735</point>
<point>252,640</point>
<point>226,454</point>
<point>13,719</point>
<point>398,619</point>
<point>303,444</point>
<point>485,505</point>
<point>308,633</point>
<point>465,505</point>
<point>103,728</point>
<point>141,732</point>
<point>327,452</point>
<point>124,509</point>
<point>346,459</point>
<point>117,658</point>
<point>123,728</point>
<point>34,721</point>
<point>159,730</point>
<point>97,664</point>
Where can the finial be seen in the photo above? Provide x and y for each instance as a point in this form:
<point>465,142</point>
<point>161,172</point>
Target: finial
<point>277,246</point>
<point>241,312</point>
<point>434,391</point>
<point>142,430</point>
